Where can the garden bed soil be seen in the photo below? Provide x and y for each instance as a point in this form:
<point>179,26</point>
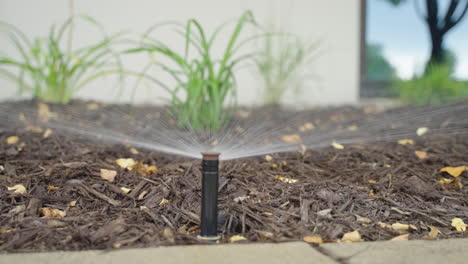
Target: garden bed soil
<point>361,187</point>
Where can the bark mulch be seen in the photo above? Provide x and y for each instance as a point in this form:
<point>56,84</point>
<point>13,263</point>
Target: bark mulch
<point>337,191</point>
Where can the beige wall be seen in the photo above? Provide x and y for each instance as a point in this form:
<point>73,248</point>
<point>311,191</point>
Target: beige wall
<point>335,23</point>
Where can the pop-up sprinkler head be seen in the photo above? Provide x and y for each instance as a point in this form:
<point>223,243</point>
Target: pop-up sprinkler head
<point>209,205</point>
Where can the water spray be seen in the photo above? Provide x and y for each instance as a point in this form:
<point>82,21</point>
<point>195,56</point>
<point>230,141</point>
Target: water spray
<point>209,205</point>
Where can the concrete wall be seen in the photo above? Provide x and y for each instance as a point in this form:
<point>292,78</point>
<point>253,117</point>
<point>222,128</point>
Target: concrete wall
<point>334,23</point>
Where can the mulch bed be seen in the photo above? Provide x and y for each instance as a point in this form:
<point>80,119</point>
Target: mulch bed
<point>337,191</point>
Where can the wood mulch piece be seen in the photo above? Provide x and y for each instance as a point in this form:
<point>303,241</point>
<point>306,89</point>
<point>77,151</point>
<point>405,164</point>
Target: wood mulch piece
<point>337,191</point>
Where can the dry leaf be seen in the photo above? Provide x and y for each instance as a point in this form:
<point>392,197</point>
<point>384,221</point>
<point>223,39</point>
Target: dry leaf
<point>313,239</point>
<point>459,224</point>
<point>72,203</point>
<point>92,106</point>
<point>126,163</point>
<point>455,182</point>
<point>168,234</point>
<point>352,128</point>
<point>400,237</point>
<point>445,180</point>
<point>309,126</point>
<point>294,138</point>
<point>265,234</point>
<point>34,129</point>
<point>285,179</point>
<point>361,219</point>
<point>53,212</point>
<point>239,129</point>
<point>421,131</point>
<point>370,110</point>
<point>306,127</point>
<point>243,113</point>
<point>371,194</point>
<point>48,133</point>
<point>144,169</point>
<point>303,149</point>
<point>406,142</point>
<point>354,236</point>
<point>152,168</point>
<point>43,112</point>
<point>182,229</point>
<point>241,198</point>
<point>337,146</point>
<point>236,238</point>
<point>421,154</point>
<point>384,225</point>
<point>268,158</point>
<point>454,171</point>
<point>18,188</point>
<point>21,146</point>
<point>142,195</point>
<point>108,175</point>
<point>325,213</point>
<point>433,233</point>
<point>134,151</point>
<point>125,190</point>
<point>193,229</point>
<point>399,226</point>
<point>4,231</point>
<point>172,122</point>
<point>56,223</point>
<point>52,188</point>
<point>116,245</point>
<point>12,140</point>
<point>163,202</point>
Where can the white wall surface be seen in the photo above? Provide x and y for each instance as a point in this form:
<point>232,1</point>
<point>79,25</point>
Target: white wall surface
<point>334,23</point>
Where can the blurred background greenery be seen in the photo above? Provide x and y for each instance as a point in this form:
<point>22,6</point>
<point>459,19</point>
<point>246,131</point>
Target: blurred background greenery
<point>421,56</point>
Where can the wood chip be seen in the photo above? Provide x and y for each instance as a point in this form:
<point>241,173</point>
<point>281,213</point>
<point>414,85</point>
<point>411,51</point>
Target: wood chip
<point>108,175</point>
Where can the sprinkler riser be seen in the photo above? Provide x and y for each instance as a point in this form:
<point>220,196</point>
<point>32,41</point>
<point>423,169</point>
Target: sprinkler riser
<point>209,205</point>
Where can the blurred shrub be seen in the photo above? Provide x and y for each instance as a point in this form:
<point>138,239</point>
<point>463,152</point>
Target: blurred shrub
<point>378,67</point>
<point>282,63</point>
<point>435,86</point>
<point>52,73</point>
<point>205,83</point>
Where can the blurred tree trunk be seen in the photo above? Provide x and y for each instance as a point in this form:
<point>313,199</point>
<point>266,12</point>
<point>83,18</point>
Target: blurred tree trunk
<point>439,23</point>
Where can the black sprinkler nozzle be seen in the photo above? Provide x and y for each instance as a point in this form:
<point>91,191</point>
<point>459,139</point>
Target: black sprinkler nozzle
<point>209,205</point>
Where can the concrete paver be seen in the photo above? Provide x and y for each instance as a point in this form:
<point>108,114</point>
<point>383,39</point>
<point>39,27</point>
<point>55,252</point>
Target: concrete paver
<point>451,251</point>
<point>414,252</point>
<point>282,253</point>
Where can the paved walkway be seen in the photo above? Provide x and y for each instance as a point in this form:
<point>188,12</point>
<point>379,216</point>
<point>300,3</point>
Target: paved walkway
<point>424,252</point>
<point>449,251</point>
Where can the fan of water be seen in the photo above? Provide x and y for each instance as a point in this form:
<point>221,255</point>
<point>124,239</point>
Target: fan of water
<point>248,133</point>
